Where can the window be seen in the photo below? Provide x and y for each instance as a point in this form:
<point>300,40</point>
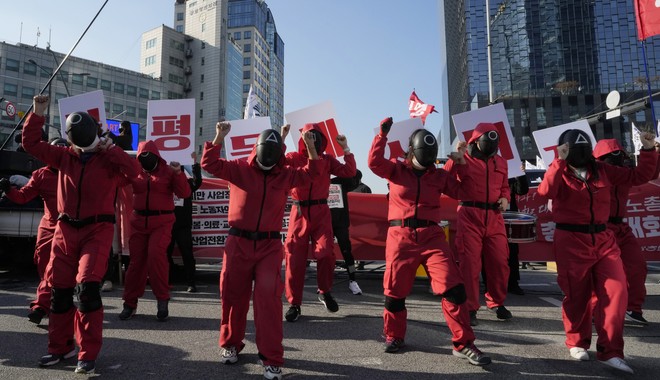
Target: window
<point>200,131</point>
<point>131,90</point>
<point>142,113</point>
<point>106,85</point>
<point>201,95</point>
<point>150,60</point>
<point>12,64</point>
<point>63,76</point>
<point>237,35</point>
<point>246,88</point>
<point>77,79</point>
<point>176,62</point>
<point>202,61</point>
<point>179,28</point>
<point>201,78</point>
<point>247,61</point>
<point>203,27</point>
<point>203,45</point>
<point>30,68</point>
<point>155,95</point>
<point>117,109</point>
<point>130,111</point>
<point>92,82</point>
<point>179,16</point>
<point>247,34</point>
<point>46,72</point>
<point>27,92</point>
<point>119,88</point>
<point>107,107</point>
<point>247,48</point>
<point>151,43</point>
<point>246,75</point>
<point>201,113</point>
<point>144,93</point>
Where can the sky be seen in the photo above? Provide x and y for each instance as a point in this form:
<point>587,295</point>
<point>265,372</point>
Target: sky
<point>365,56</point>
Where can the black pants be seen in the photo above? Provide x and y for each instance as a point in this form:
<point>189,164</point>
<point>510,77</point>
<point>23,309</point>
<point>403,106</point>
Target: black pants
<point>182,236</point>
<point>514,269</point>
<point>344,241</point>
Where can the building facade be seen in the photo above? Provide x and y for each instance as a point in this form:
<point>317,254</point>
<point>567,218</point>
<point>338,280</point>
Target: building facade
<point>25,70</point>
<point>555,62</point>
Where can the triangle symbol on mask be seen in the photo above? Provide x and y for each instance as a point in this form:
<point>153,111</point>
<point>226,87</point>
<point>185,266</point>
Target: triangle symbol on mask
<point>581,139</point>
<point>272,138</point>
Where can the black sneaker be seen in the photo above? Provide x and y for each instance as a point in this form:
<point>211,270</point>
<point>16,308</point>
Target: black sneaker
<point>473,318</point>
<point>36,315</point>
<point>473,355</point>
<point>127,313</point>
<point>501,312</point>
<point>163,311</point>
<point>393,345</point>
<point>329,302</point>
<point>635,316</point>
<point>85,367</point>
<point>192,289</point>
<point>52,359</point>
<point>293,313</point>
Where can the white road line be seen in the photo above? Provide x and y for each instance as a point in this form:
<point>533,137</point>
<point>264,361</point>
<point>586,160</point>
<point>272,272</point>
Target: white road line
<point>552,301</point>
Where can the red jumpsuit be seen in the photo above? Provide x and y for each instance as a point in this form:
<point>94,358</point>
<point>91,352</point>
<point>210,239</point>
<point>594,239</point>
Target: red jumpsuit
<point>634,263</point>
<point>44,184</point>
<point>480,227</point>
<point>413,197</point>
<point>151,227</point>
<point>253,250</point>
<point>312,222</point>
<point>589,262</point>
<point>82,237</point>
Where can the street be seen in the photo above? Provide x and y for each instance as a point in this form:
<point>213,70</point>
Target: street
<point>321,345</point>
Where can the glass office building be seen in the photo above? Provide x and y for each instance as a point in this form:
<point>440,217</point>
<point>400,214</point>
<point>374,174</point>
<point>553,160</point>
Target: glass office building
<point>555,61</point>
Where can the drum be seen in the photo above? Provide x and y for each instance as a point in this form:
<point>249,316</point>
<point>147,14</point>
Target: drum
<point>520,227</point>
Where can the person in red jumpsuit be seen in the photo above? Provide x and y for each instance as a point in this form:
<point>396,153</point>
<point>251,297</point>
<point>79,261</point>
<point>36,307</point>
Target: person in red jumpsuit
<point>588,258</point>
<point>253,253</point>
<point>310,220</point>
<point>43,183</point>
<point>89,173</point>
<point>634,263</point>
<point>415,237</point>
<point>480,231</point>
<point>151,228</point>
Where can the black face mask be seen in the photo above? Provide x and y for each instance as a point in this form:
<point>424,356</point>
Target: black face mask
<point>488,143</point>
<point>615,158</point>
<point>424,147</point>
<point>269,148</point>
<point>579,148</point>
<point>148,160</point>
<point>579,156</point>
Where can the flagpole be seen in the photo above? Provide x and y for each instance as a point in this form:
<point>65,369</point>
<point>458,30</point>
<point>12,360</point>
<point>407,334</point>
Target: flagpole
<point>648,85</point>
<point>489,53</point>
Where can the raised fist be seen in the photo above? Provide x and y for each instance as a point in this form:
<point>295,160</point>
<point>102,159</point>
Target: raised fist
<point>385,126</point>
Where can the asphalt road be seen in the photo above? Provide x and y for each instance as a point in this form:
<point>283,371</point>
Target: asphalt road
<point>321,345</point>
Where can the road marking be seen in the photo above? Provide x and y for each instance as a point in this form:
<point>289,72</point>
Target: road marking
<point>552,301</point>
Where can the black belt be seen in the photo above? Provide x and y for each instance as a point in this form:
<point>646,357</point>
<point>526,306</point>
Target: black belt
<point>153,212</point>
<point>80,223</point>
<point>256,235</point>
<point>311,202</point>
<point>615,220</point>
<point>583,228</point>
<point>483,205</point>
<point>412,223</point>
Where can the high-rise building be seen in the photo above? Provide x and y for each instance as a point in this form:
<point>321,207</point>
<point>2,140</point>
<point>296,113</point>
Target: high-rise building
<point>555,62</point>
<point>216,50</point>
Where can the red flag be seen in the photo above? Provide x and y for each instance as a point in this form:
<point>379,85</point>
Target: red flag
<point>418,108</point>
<point>647,13</point>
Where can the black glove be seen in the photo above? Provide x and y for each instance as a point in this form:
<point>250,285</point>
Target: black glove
<point>385,126</point>
<point>5,186</point>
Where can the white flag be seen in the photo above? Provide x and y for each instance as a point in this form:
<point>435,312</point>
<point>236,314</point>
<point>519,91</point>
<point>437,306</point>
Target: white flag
<point>252,109</point>
<point>539,163</point>
<point>636,138</point>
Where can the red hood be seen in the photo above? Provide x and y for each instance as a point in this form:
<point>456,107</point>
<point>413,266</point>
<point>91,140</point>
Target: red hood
<point>606,146</point>
<point>302,148</point>
<point>149,146</point>
<point>480,130</point>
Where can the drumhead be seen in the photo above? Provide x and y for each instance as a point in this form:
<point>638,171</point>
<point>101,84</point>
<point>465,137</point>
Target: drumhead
<point>518,217</point>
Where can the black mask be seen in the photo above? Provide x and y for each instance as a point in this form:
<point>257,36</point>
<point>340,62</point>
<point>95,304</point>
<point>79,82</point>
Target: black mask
<point>424,147</point>
<point>617,158</point>
<point>148,160</point>
<point>269,148</point>
<point>319,141</point>
<point>488,143</point>
<point>82,130</point>
<point>579,148</point>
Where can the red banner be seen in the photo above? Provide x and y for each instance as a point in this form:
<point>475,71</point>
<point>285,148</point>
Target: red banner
<point>647,13</point>
<point>418,108</point>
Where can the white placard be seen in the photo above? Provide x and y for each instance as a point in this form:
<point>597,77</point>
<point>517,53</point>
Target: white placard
<point>398,138</point>
<point>546,139</point>
<point>240,140</point>
<point>91,102</point>
<point>171,125</point>
<point>496,114</point>
<point>323,114</point>
<point>335,199</point>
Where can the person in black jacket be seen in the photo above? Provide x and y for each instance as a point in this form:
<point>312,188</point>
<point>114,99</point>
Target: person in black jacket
<point>182,229</point>
<point>341,222</point>
<point>518,186</point>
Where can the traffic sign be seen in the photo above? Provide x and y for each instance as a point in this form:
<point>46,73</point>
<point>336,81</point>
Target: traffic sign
<point>10,109</point>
